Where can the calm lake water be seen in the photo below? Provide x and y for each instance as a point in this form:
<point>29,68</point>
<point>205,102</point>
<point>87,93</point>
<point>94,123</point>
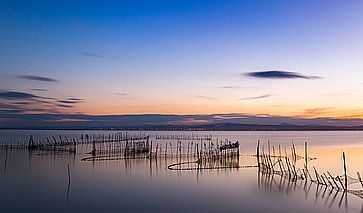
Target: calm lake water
<point>38,181</point>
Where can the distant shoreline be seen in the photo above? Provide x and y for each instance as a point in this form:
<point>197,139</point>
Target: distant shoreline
<point>207,127</point>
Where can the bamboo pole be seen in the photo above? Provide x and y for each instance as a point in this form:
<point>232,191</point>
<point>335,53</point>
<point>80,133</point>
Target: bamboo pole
<point>333,179</point>
<point>258,154</point>
<point>322,177</point>
<point>328,180</point>
<point>306,154</point>
<point>360,179</point>
<point>345,173</point>
<point>307,171</point>
<point>279,161</point>
<point>280,156</point>
<point>288,167</point>
<point>294,151</point>
<point>317,176</point>
<point>341,183</point>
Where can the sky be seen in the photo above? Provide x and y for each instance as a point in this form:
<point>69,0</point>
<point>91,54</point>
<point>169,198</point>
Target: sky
<point>295,59</point>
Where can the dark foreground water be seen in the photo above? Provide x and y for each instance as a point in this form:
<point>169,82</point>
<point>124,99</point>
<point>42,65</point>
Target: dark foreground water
<point>38,181</point>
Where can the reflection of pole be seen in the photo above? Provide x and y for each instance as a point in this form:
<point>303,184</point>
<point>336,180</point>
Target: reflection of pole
<point>69,175</point>
<point>156,153</point>
<point>6,159</point>
<point>93,149</point>
<point>150,151</point>
<point>69,181</point>
<point>259,180</point>
<point>188,149</point>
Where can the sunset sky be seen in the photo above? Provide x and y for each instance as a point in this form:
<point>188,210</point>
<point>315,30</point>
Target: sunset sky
<point>300,59</point>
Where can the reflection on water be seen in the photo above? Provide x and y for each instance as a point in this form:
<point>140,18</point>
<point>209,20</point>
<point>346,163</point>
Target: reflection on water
<point>328,195</point>
<point>272,182</point>
<point>41,180</point>
<point>6,159</point>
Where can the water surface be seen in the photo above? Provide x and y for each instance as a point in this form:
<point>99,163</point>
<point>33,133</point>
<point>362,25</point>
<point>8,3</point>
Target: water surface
<point>38,181</point>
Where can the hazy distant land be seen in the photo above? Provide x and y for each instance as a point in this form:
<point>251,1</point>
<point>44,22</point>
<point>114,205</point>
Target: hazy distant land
<point>205,127</point>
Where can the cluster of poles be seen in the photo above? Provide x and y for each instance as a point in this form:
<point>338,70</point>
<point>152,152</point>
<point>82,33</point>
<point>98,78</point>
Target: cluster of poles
<point>101,144</point>
<point>270,183</point>
<point>144,148</point>
<point>190,137</point>
<point>124,146</point>
<point>215,156</point>
<point>203,153</point>
<point>285,166</point>
<point>13,145</point>
<point>198,149</point>
<point>109,138</point>
<point>60,144</point>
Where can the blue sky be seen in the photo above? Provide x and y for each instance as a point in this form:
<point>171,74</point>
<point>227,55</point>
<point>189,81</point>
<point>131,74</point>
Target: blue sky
<point>183,57</point>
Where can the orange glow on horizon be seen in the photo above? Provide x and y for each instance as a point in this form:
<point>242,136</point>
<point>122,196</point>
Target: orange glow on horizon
<point>216,108</point>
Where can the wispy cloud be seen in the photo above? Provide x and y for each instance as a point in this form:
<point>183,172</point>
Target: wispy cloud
<point>24,103</point>
<point>97,55</point>
<point>204,97</point>
<point>313,112</point>
<point>75,99</point>
<point>193,121</point>
<point>64,105</point>
<point>39,90</point>
<point>122,94</point>
<point>68,101</point>
<point>37,78</point>
<point>354,116</point>
<point>256,97</point>
<point>6,106</point>
<point>92,55</point>
<point>16,95</point>
<point>278,74</point>
<point>234,87</point>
